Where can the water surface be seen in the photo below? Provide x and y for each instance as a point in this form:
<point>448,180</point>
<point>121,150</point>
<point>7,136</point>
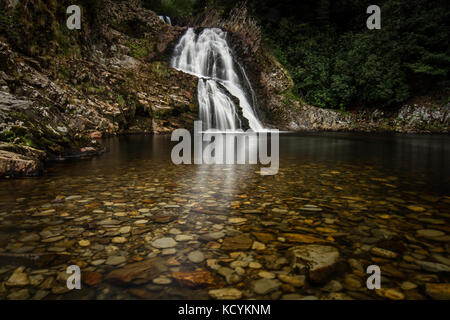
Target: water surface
<point>351,191</point>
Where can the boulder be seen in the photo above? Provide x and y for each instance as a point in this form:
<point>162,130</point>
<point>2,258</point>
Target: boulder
<point>198,278</point>
<point>438,291</point>
<point>238,243</point>
<point>18,160</point>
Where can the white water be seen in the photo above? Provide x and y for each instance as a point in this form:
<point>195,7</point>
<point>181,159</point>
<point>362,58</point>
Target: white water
<point>208,57</point>
<point>166,19</point>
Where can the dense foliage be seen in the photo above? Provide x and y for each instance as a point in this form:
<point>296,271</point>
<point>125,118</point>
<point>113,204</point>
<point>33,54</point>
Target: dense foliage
<point>336,62</point>
<point>172,8</point>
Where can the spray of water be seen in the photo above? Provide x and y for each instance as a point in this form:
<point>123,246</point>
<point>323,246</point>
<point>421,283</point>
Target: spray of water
<point>208,56</point>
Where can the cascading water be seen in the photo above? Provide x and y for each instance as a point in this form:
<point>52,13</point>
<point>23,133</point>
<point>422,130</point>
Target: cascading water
<point>208,57</point>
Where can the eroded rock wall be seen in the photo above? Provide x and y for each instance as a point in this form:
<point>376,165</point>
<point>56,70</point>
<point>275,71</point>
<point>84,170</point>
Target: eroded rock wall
<point>111,77</point>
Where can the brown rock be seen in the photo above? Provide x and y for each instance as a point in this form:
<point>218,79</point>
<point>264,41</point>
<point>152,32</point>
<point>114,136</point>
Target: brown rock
<point>34,259</point>
<point>204,211</point>
<point>264,237</point>
<point>15,164</point>
<point>295,281</point>
<point>383,253</point>
<point>301,238</point>
<point>95,135</point>
<point>165,38</point>
<point>198,278</point>
<point>172,262</point>
<point>18,278</point>
<point>141,293</point>
<point>318,260</point>
<point>238,243</point>
<point>391,294</point>
<point>162,218</point>
<point>91,278</point>
<point>439,291</point>
<point>139,272</point>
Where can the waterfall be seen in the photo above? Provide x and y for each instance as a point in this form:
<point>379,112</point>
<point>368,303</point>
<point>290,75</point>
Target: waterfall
<point>208,56</point>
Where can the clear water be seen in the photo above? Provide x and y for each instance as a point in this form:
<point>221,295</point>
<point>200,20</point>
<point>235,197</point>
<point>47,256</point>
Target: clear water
<point>361,183</point>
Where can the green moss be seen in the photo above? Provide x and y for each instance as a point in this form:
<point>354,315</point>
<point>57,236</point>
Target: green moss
<point>138,52</point>
<point>95,90</point>
<point>29,142</point>
<point>19,115</point>
<point>140,48</point>
<point>162,114</point>
<point>64,72</point>
<point>7,136</point>
<point>289,98</point>
<point>120,100</point>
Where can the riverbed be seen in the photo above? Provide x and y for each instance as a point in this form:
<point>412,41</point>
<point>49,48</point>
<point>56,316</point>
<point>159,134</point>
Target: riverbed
<point>139,226</point>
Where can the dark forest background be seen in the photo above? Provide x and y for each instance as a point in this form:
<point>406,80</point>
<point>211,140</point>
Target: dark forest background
<point>334,60</point>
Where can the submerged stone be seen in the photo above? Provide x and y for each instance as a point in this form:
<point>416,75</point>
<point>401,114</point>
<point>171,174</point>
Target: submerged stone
<point>163,243</point>
<point>318,260</point>
<point>265,286</point>
<point>225,294</point>
<point>241,242</point>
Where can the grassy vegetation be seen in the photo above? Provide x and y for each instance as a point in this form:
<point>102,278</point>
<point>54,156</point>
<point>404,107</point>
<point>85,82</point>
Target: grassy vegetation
<point>160,68</point>
<point>120,100</point>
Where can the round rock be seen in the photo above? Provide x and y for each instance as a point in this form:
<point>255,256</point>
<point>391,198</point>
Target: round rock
<point>163,243</point>
<point>196,256</point>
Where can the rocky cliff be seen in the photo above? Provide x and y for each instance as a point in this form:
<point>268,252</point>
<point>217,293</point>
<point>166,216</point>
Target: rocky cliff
<point>61,93</point>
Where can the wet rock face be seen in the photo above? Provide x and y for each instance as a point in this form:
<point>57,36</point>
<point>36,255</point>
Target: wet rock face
<point>317,260</point>
<point>13,164</point>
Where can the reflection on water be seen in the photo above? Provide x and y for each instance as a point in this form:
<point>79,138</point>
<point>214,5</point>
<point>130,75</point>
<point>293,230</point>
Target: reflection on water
<point>352,192</point>
<point>426,156</point>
